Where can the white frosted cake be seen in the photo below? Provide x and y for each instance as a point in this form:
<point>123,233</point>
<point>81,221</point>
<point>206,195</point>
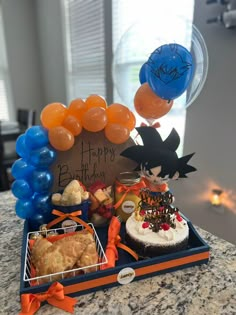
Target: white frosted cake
<point>147,243</point>
<point>156,228</point>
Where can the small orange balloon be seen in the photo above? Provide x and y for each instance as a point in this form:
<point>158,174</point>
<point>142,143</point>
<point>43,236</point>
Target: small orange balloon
<point>72,124</point>
<point>118,113</point>
<point>116,133</point>
<point>95,119</point>
<point>131,122</point>
<point>148,105</point>
<point>53,115</point>
<point>95,101</point>
<point>60,138</point>
<point>77,108</point>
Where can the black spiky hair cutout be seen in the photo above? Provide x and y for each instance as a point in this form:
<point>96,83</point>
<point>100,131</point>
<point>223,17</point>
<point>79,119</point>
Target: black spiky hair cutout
<point>156,152</point>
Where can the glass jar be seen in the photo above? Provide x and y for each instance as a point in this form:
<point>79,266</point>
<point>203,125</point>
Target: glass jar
<point>127,190</point>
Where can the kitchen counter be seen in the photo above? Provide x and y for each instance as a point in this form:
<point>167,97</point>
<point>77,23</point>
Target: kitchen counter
<point>206,289</point>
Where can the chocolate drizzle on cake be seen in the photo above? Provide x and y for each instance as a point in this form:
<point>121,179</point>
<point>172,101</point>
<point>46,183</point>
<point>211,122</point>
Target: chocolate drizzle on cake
<point>156,211</point>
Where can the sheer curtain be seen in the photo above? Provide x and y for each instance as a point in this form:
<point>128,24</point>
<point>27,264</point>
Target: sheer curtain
<point>138,26</point>
<point>5,95</point>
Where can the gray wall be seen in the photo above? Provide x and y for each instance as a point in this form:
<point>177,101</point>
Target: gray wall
<point>23,53</point>
<point>34,43</point>
<point>211,131</point>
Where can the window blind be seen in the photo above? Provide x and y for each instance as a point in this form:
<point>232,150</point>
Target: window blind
<point>85,48</point>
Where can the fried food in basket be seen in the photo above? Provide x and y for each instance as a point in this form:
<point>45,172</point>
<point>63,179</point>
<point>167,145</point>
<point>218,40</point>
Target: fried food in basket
<point>39,248</point>
<point>70,252</point>
<point>88,258</point>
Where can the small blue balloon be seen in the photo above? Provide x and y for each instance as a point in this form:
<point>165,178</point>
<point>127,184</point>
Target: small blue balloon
<point>41,181</point>
<point>21,189</point>
<point>24,208</point>
<point>21,169</point>
<point>42,157</point>
<point>38,219</point>
<point>170,71</point>
<point>21,148</point>
<point>35,221</point>
<point>142,73</point>
<point>42,203</point>
<point>36,137</point>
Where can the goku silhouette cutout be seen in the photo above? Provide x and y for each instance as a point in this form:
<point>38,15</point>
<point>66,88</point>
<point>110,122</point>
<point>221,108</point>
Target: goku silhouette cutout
<point>157,160</point>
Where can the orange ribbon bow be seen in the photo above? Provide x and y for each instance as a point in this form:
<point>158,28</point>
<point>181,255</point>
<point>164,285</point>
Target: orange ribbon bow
<point>126,189</point>
<point>30,303</point>
<point>72,216</point>
<point>114,242</point>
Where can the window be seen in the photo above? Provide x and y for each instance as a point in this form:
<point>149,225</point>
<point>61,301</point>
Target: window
<point>5,109</point>
<point>138,29</point>
<point>91,44</point>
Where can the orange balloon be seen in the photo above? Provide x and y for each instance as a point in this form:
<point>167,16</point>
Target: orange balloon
<point>118,113</point>
<point>96,101</point>
<point>148,105</point>
<point>131,122</point>
<point>116,133</point>
<point>60,138</point>
<point>77,108</point>
<point>95,119</point>
<point>72,124</point>
<point>53,115</point>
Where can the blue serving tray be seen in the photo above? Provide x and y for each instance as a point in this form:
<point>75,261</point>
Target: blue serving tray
<point>197,253</point>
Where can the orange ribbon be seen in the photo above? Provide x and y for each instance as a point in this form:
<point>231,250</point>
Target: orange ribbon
<point>155,187</point>
<point>154,125</point>
<point>72,216</point>
<point>114,242</point>
<point>126,189</point>
<point>30,303</point>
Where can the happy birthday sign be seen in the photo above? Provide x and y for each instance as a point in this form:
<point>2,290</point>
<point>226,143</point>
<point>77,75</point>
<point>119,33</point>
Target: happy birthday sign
<point>91,158</point>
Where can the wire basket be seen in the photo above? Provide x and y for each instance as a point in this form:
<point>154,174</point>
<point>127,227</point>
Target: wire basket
<point>27,275</point>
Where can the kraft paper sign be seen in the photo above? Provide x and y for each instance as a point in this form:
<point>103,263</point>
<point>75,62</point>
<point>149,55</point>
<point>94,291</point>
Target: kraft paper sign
<point>91,158</point>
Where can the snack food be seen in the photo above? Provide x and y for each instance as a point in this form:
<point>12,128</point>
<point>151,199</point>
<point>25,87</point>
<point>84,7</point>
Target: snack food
<point>39,248</point>
<point>74,193</point>
<point>71,252</point>
<point>101,207</point>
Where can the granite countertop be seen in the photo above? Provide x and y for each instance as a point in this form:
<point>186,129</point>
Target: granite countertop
<point>206,289</point>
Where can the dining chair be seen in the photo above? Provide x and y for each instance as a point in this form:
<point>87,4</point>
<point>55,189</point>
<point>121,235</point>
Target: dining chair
<point>26,118</point>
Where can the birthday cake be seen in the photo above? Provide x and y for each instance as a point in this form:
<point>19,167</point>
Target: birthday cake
<point>156,228</point>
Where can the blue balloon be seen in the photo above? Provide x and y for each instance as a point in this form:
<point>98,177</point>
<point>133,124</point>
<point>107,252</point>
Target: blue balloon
<point>21,148</point>
<point>38,219</point>
<point>36,137</point>
<point>42,157</point>
<point>170,71</point>
<point>21,169</point>
<point>142,73</point>
<point>42,203</point>
<point>35,221</point>
<point>21,189</point>
<point>24,208</point>
<point>41,181</point>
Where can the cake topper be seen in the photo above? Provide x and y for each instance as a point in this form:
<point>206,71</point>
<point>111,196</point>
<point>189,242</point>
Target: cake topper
<point>157,160</point>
